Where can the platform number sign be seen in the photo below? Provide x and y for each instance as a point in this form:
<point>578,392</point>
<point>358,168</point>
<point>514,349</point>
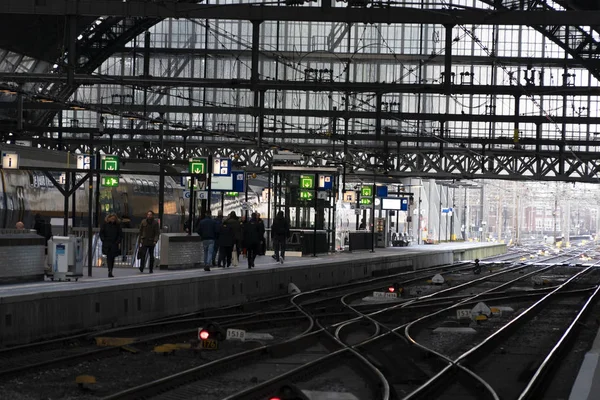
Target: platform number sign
<point>307,181</point>
<point>109,163</point>
<point>109,181</point>
<point>366,191</point>
<point>197,165</point>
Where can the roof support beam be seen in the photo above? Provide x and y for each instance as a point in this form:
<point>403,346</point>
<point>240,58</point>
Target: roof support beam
<point>250,12</point>
<point>358,87</point>
<point>118,109</point>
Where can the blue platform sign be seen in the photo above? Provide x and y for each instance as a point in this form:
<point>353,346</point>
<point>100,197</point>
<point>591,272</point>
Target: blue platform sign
<point>221,167</point>
<point>325,182</point>
<point>382,191</point>
<point>404,204</point>
<point>239,183</point>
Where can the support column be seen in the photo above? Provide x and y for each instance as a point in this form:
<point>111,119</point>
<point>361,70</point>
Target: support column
<point>378,116</point>
<point>72,49</point>
<point>254,78</point>
<point>146,70</point>
<point>66,203</point>
<point>161,176</point>
<point>448,60</point>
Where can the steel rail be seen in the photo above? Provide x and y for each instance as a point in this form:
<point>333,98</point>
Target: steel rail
<point>530,390</point>
<point>435,380</point>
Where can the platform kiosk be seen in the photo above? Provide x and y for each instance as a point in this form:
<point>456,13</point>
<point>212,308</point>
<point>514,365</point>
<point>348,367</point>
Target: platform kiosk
<point>306,195</point>
<point>65,258</point>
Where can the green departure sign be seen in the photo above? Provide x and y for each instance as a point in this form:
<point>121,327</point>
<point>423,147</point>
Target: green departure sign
<point>307,181</point>
<point>366,191</point>
<point>306,194</point>
<point>365,201</point>
<point>109,163</point>
<point>198,165</point>
<point>109,181</point>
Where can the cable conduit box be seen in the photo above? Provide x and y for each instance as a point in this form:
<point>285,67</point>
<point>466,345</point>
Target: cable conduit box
<point>180,251</point>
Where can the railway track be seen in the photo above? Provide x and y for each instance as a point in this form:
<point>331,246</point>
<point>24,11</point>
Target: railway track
<point>319,351</point>
<point>191,381</point>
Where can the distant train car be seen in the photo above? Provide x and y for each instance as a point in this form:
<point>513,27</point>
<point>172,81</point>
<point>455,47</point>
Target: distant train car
<point>23,194</point>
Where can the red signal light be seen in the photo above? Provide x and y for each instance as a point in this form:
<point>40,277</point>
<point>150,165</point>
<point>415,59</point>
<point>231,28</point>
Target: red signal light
<point>204,335</point>
<point>274,398</point>
<point>391,289</point>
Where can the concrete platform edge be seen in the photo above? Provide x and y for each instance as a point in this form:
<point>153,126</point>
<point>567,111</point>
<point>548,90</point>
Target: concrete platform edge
<point>29,317</point>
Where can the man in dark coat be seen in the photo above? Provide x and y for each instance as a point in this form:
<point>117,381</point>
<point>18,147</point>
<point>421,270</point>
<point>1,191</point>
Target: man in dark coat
<point>111,235</point>
<point>280,231</point>
<point>236,227</point>
<point>149,235</point>
<point>218,223</point>
<point>226,241</point>
<point>251,239</point>
<point>208,232</point>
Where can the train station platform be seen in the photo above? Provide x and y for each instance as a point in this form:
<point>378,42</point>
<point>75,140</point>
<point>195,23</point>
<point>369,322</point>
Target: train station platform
<point>35,311</point>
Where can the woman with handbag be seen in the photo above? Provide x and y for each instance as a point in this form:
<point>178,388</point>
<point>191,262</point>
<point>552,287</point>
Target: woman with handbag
<point>111,235</point>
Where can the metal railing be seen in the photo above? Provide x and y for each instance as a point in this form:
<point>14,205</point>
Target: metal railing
<point>129,248</point>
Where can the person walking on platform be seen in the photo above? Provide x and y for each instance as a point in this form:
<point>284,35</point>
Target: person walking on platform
<point>226,240</point>
<point>251,239</point>
<point>218,223</point>
<point>111,235</point>
<point>208,233</point>
<point>236,227</point>
<point>280,232</point>
<point>262,247</point>
<point>149,234</point>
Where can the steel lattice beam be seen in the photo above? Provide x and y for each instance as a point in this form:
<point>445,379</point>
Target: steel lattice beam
<point>265,85</point>
<point>251,12</point>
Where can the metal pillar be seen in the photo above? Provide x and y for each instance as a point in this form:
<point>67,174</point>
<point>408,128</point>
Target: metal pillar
<point>66,203</point>
<point>72,50</point>
<point>448,60</point>
<point>161,177</point>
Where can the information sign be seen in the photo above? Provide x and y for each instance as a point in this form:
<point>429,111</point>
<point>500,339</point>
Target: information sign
<point>84,161</point>
<point>382,191</point>
<point>10,160</point>
<point>197,165</point>
<point>325,182</point>
<point>239,182</point>
<point>307,181</point>
<point>349,196</point>
<point>306,194</point>
<point>109,163</point>
<point>222,167</point>
<point>109,181</point>
<point>366,191</point>
<point>365,201</point>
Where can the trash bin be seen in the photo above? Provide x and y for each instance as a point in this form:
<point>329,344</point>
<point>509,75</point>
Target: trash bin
<point>65,256</point>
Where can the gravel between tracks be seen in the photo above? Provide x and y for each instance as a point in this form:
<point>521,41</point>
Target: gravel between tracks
<point>114,374</point>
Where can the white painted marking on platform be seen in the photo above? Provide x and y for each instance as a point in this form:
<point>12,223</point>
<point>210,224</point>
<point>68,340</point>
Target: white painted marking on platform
<point>451,329</point>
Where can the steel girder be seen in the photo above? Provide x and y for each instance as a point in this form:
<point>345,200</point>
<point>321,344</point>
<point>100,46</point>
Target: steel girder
<point>96,44</point>
<point>265,85</point>
<point>440,162</point>
<point>252,12</point>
